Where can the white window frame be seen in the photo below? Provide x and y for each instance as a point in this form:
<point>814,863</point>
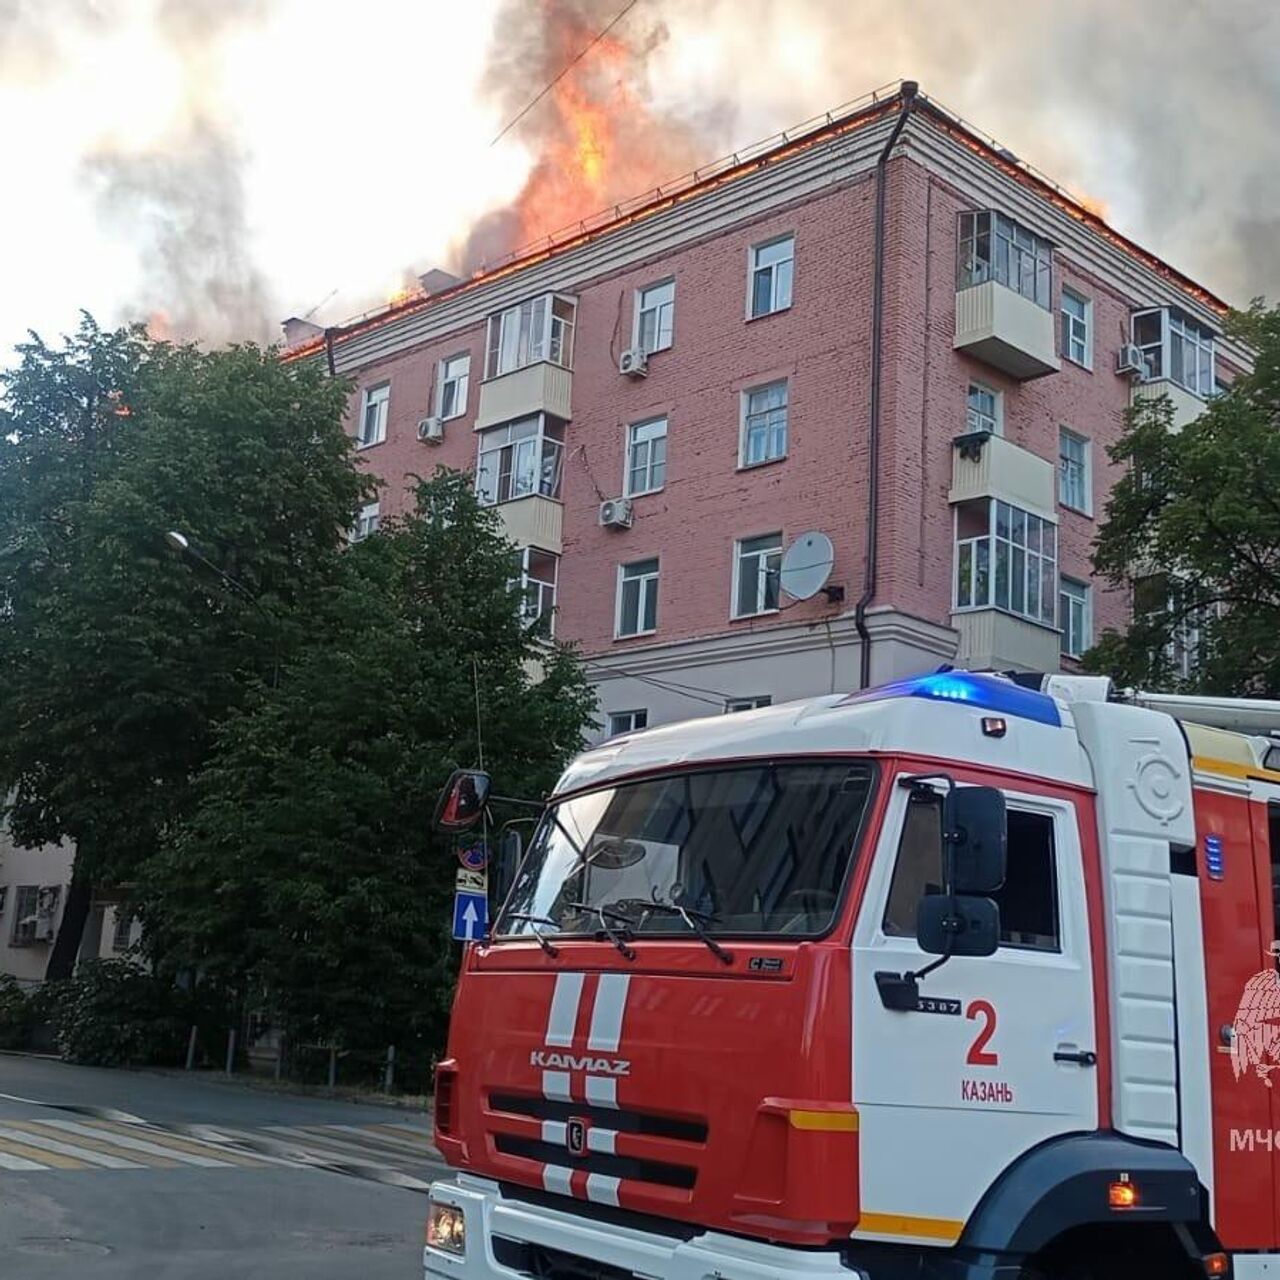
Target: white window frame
<point>459,380</point>
<point>536,453</point>
<point>660,299</point>
<point>122,930</point>
<point>538,329</point>
<point>1159,355</point>
<point>752,702</point>
<point>1077,331</point>
<point>972,416</point>
<point>648,585</point>
<point>654,473</point>
<point>367,522</point>
<point>20,935</point>
<point>993,246</point>
<point>1066,466</point>
<point>1075,595</point>
<point>537,594</point>
<point>781,282</point>
<point>768,560</point>
<point>987,548</point>
<point>745,415</point>
<point>378,396</point>
<point>621,722</point>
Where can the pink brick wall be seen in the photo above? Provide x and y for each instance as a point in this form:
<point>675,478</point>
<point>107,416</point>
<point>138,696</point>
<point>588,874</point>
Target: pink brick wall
<point>821,345</point>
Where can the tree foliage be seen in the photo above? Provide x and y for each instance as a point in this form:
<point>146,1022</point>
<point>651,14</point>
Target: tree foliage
<point>117,656</point>
<point>1194,525</point>
<point>307,877</point>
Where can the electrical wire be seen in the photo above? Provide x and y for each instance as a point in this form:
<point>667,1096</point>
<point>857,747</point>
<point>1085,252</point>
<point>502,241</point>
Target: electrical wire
<point>569,66</point>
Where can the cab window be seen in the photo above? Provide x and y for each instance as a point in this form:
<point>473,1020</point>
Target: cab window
<point>1028,901</point>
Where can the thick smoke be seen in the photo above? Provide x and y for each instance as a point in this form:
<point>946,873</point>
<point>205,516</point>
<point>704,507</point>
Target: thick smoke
<point>1164,111</point>
<point>180,202</point>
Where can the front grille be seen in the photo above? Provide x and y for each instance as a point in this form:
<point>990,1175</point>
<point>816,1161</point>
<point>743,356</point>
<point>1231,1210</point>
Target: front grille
<point>667,1175</point>
<point>624,1121</point>
<point>538,1261</point>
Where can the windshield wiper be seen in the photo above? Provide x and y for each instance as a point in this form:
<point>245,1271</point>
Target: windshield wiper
<point>604,915</point>
<point>697,921</point>
<point>537,937</point>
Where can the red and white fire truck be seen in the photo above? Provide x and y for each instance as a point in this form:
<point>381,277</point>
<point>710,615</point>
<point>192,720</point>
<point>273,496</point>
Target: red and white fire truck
<point>955,977</point>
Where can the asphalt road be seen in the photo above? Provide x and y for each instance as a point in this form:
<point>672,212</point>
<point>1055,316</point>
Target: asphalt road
<point>112,1175</point>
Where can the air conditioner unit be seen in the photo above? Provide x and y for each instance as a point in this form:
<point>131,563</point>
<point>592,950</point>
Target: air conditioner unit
<point>44,929</point>
<point>615,513</point>
<point>634,362</point>
<point>1130,362</point>
<point>431,430</point>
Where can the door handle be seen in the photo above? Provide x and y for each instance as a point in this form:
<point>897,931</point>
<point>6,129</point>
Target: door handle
<point>1085,1057</point>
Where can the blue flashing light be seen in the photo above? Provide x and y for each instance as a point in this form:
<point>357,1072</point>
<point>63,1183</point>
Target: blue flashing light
<point>983,693</point>
<point>1213,859</point>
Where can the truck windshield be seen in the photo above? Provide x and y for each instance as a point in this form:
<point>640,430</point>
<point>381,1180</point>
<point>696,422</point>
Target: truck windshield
<point>748,849</point>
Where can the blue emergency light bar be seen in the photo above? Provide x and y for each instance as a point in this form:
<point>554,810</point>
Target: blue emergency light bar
<point>982,693</point>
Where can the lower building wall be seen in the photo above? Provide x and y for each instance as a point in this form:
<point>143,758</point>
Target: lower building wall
<point>691,678</point>
<point>42,868</point>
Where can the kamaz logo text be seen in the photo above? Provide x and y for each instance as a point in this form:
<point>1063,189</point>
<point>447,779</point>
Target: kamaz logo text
<point>579,1062</point>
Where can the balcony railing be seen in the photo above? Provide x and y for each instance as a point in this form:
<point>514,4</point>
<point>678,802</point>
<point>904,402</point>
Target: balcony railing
<point>1006,330</point>
<point>537,388</point>
<point>989,466</point>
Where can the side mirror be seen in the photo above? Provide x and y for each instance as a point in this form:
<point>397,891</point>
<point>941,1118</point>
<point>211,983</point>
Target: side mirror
<point>957,926</point>
<point>974,818</point>
<point>462,802</point>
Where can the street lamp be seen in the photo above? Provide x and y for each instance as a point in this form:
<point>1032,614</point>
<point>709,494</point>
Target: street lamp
<point>182,545</point>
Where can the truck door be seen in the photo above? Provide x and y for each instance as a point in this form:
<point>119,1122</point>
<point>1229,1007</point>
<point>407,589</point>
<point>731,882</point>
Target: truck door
<point>1000,1053</point>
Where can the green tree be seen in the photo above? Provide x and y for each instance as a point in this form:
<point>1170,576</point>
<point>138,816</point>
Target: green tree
<point>308,878</point>
<point>117,656</point>
<point>1194,526</point>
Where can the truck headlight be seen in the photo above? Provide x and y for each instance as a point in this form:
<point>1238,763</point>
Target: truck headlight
<point>447,1228</point>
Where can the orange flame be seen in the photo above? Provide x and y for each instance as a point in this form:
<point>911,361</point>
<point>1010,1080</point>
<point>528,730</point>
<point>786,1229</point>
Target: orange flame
<point>158,326</point>
<point>1098,207</point>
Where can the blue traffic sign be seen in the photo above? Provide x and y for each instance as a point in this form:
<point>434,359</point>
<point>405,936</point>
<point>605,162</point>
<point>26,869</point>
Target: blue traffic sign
<point>475,857</point>
<point>470,916</point>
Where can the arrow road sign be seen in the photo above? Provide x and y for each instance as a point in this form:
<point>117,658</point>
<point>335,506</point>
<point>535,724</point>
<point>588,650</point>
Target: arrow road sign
<point>470,916</point>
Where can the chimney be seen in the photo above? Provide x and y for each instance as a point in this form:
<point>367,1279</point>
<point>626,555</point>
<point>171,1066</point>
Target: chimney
<point>297,331</point>
<point>437,281</point>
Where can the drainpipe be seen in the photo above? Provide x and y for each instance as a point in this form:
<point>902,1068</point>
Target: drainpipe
<point>328,351</point>
<point>908,99</point>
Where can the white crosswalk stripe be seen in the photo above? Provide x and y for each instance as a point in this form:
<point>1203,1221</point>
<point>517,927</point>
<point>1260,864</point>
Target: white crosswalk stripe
<point>397,1154</point>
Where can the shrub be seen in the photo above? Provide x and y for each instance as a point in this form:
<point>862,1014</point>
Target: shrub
<point>116,1013</point>
<point>18,1013</point>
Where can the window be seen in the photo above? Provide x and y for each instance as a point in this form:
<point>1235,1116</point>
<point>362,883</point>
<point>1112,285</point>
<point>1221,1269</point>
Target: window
<point>366,522</point>
<point>535,583</point>
<point>1006,558</point>
<point>771,269</point>
<point>373,416</point>
<point>455,374</point>
<point>122,934</point>
<point>540,329</point>
<point>627,721</point>
<point>763,848</point>
<point>764,424</point>
<point>1073,471</point>
<point>1077,341</point>
<point>986,409</point>
<point>637,598</point>
<point>655,316</point>
<point>646,457</point>
<point>1028,901</point>
<point>1073,617</point>
<point>757,569</point>
<point>748,704</point>
<point>1176,348</point>
<point>25,915</point>
<point>520,459</point>
<point>993,247</point>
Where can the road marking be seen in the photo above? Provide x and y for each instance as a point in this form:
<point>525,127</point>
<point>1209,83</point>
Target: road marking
<point>90,1151</point>
<point>50,1159</point>
<point>415,1144</point>
<point>137,1144</point>
<point>175,1145</point>
<point>331,1147</point>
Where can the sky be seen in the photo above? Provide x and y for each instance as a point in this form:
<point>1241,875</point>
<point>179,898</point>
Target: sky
<point>219,165</point>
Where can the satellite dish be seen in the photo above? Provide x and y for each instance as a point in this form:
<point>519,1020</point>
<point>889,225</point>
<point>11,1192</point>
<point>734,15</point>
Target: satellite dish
<point>806,565</point>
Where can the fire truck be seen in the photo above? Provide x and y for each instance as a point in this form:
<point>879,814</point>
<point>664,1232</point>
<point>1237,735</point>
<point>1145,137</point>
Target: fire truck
<point>959,977</point>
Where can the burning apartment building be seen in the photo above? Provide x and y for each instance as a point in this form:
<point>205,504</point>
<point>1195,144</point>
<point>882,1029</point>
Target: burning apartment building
<point>830,411</point>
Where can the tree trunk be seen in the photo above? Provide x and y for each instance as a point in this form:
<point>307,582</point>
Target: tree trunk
<point>66,949</point>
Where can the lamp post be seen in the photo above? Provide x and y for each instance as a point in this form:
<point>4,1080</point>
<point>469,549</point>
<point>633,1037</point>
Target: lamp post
<point>182,545</point>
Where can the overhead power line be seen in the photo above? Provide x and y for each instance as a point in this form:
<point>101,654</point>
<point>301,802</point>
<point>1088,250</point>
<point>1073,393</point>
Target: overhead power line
<point>564,71</point>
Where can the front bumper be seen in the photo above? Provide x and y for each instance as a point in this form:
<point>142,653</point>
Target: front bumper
<point>606,1248</point>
